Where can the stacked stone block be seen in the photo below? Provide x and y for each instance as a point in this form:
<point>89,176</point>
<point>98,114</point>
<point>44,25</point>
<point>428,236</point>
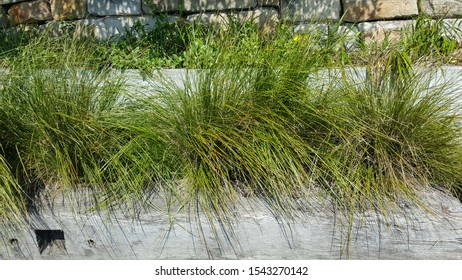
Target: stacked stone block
<point>114,7</point>
<point>372,18</point>
<point>68,9</point>
<point>34,11</point>
<point>371,10</point>
<point>442,8</point>
<point>191,6</point>
<point>311,10</point>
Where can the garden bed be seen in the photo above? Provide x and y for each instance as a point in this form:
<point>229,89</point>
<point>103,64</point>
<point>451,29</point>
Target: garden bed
<point>278,129</point>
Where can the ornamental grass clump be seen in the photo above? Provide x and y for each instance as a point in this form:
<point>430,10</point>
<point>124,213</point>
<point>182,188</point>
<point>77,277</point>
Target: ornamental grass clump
<point>220,146</point>
<point>246,126</point>
<point>54,103</point>
<point>396,134</point>
<point>373,142</point>
<point>12,203</point>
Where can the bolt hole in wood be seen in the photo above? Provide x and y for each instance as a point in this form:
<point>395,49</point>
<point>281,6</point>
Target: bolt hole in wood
<point>13,241</point>
<point>91,243</point>
<point>50,240</point>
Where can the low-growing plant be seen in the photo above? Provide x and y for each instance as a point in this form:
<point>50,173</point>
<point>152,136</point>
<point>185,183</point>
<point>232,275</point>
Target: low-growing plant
<point>246,124</point>
<point>426,41</point>
<point>12,202</point>
<point>52,116</point>
<point>148,46</point>
<point>397,135</point>
<point>10,40</point>
<point>430,38</point>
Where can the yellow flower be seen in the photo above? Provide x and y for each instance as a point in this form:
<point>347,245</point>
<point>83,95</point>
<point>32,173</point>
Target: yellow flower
<point>297,38</point>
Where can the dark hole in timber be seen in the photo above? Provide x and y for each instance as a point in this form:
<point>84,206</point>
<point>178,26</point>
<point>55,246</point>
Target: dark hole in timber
<point>91,242</point>
<point>13,241</point>
<point>48,237</point>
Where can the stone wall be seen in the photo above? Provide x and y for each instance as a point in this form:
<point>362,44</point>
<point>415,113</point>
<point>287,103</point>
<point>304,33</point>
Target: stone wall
<point>371,18</point>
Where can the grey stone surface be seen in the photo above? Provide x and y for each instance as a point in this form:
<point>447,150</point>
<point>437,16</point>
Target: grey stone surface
<point>388,25</point>
<point>91,28</point>
<point>451,75</point>
<point>265,17</point>
<point>378,30</point>
<point>268,2</point>
<point>111,27</point>
<point>453,28</point>
<point>368,10</point>
<point>349,31</point>
<point>317,10</point>
<point>198,5</point>
<point>3,2</point>
<point>114,7</point>
<point>211,18</point>
<point>116,26</point>
<point>261,16</point>
<point>442,8</point>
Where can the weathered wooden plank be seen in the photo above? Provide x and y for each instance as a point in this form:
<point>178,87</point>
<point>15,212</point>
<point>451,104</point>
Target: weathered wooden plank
<point>410,233</point>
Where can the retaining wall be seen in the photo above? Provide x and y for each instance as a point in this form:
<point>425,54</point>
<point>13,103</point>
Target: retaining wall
<point>370,18</point>
<point>58,231</point>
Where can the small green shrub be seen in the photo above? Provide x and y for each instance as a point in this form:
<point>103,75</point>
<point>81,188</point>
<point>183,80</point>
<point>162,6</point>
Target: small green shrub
<point>426,41</point>
<point>430,38</point>
<point>147,47</point>
<point>397,134</point>
<point>53,101</point>
<point>10,40</point>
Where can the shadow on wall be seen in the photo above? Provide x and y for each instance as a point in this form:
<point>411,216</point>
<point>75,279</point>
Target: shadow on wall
<point>114,7</point>
<point>115,23</point>
<point>68,9</point>
<point>198,5</point>
<point>370,10</point>
<point>362,10</point>
<point>110,28</point>
<point>303,10</point>
<point>30,12</point>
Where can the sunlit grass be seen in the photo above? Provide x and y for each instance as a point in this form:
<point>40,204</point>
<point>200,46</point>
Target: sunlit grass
<point>53,103</point>
<point>257,118</point>
<point>12,207</point>
<point>400,133</point>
